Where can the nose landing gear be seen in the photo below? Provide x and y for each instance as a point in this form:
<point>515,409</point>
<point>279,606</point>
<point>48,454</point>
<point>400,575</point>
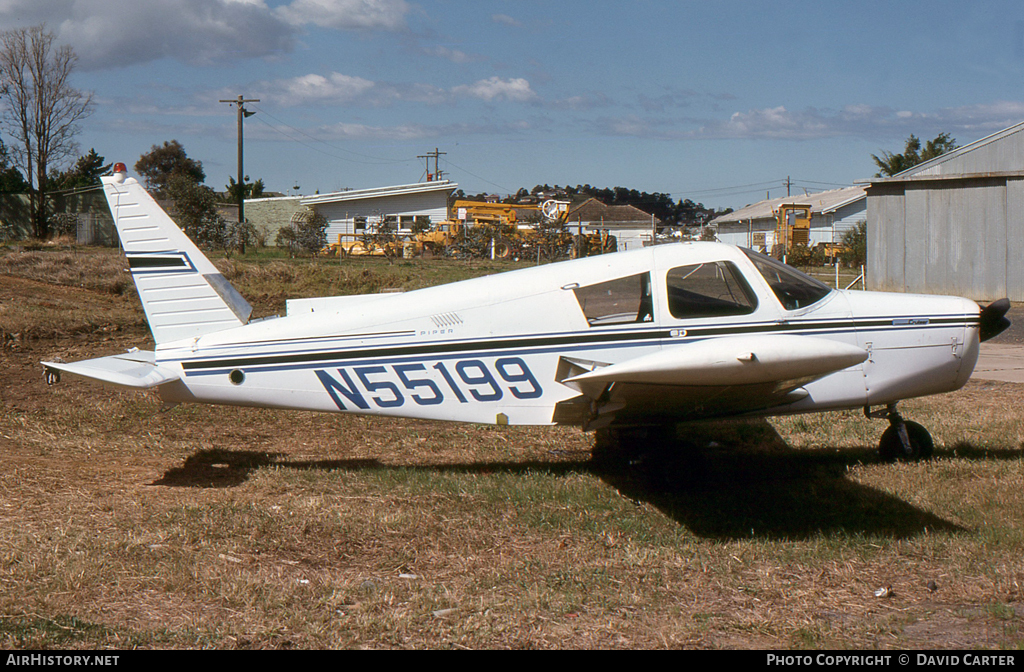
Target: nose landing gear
<point>903,440</point>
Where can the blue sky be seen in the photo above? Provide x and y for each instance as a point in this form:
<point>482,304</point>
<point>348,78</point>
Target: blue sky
<point>714,101</point>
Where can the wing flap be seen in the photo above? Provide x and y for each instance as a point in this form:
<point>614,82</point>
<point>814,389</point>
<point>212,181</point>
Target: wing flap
<point>137,369</point>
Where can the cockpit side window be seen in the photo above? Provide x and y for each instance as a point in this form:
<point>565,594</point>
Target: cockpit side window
<point>794,289</point>
<point>712,289</point>
<point>619,301</point>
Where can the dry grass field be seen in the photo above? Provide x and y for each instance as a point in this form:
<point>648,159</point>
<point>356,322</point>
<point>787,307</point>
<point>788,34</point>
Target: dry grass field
<point>124,527</point>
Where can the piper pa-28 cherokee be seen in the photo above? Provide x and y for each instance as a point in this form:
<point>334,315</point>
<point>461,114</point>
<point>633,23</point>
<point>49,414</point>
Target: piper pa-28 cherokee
<point>647,338</point>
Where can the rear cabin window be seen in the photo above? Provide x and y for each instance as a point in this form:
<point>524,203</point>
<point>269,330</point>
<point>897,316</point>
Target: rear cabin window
<point>619,301</point>
<point>713,289</point>
<point>794,289</point>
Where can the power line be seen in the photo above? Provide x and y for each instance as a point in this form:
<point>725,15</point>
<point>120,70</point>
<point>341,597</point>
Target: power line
<point>830,184</point>
<point>703,192</point>
<point>449,163</point>
<point>741,189</point>
<point>74,191</point>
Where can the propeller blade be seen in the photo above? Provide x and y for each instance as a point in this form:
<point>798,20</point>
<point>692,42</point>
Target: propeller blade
<point>993,320</point>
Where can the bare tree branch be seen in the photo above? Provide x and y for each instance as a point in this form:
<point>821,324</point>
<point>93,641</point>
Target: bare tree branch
<point>42,109</point>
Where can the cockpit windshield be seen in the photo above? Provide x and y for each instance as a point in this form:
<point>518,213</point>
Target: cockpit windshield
<point>794,289</point>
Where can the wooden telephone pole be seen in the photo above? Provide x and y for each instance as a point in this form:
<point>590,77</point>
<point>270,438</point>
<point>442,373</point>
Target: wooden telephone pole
<point>435,155</point>
<point>242,114</point>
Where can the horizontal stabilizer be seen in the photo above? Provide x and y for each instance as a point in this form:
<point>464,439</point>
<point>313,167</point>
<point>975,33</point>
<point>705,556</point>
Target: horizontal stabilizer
<point>739,360</point>
<point>137,369</point>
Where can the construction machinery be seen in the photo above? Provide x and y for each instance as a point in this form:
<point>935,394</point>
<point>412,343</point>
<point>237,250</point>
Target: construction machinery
<point>793,235</point>
<point>516,231</point>
<point>478,229</point>
<point>792,228</point>
<point>502,230</point>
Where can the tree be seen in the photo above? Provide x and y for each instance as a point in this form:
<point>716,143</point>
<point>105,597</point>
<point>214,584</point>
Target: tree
<point>891,164</point>
<point>249,189</point>
<point>161,163</point>
<point>85,173</point>
<point>308,233</point>
<point>11,179</point>
<point>855,245</point>
<point>41,109</point>
<point>196,206</point>
<point>65,185</point>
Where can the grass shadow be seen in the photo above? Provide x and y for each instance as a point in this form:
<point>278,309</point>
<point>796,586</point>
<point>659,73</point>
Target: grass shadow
<point>216,468</point>
<point>741,480</point>
<point>723,481</point>
<point>968,451</point>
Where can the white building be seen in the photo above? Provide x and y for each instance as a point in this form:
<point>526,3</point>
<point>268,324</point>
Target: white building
<point>348,213</point>
<point>833,213</point>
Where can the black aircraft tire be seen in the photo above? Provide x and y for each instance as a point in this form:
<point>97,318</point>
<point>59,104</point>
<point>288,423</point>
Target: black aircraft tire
<point>890,448</point>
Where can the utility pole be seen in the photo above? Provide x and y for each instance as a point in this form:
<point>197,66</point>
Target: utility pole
<point>242,114</point>
<point>789,183</point>
<point>436,175</point>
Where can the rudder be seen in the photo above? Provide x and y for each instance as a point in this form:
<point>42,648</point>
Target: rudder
<point>182,292</point>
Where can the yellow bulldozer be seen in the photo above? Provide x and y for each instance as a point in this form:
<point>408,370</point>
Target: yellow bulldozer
<point>793,234</point>
<point>792,228</point>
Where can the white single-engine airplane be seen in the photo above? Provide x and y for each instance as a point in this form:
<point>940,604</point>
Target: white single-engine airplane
<point>648,338</point>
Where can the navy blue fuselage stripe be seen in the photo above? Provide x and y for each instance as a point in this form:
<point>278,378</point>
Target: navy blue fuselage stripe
<point>422,349</point>
<point>577,339</point>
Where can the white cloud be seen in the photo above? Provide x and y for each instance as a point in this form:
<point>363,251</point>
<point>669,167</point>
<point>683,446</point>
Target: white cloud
<point>507,20</point>
<point>864,121</point>
<point>339,89</point>
<point>988,117</point>
<point>316,89</point>
<point>775,122</point>
<point>343,131</point>
<point>453,55</point>
<point>348,14</point>
<point>106,34</point>
<point>515,90</point>
<point>199,32</point>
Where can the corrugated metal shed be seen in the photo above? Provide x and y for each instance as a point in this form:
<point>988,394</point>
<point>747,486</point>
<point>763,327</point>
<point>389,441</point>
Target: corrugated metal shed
<point>954,224</point>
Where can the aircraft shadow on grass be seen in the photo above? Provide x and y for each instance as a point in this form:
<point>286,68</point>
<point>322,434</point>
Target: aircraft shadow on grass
<point>747,483</point>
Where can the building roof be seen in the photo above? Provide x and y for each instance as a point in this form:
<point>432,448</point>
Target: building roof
<point>822,203</point>
<point>381,192</point>
<point>593,210</point>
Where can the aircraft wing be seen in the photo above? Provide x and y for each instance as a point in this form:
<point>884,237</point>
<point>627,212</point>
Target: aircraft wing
<point>707,378</point>
<point>137,369</point>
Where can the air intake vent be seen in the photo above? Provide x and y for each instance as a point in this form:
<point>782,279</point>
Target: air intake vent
<point>446,320</point>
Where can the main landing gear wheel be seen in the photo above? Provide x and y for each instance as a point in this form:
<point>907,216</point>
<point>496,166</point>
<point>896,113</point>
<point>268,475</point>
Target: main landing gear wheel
<point>904,440</point>
<point>919,443</point>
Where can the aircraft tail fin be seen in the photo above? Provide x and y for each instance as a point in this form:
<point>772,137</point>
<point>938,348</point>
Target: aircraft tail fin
<point>182,292</point>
